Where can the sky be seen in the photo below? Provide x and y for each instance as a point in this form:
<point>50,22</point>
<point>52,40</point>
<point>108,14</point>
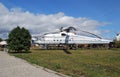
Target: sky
<point>101,17</point>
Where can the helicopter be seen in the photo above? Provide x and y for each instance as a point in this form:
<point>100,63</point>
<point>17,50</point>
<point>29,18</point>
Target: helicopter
<point>67,39</point>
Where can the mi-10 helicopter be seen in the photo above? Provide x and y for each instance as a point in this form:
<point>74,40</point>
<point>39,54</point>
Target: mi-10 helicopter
<point>65,38</point>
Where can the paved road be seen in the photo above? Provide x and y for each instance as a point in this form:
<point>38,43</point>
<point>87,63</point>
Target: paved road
<point>15,67</point>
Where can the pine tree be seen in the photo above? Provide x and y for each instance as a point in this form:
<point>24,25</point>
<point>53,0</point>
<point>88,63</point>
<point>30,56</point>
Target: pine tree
<point>19,40</point>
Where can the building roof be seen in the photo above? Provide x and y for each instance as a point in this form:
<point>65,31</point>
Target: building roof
<point>3,43</point>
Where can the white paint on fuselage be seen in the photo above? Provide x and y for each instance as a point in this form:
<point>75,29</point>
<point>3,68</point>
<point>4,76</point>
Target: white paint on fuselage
<point>57,38</point>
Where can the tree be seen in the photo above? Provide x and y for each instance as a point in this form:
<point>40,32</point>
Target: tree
<point>0,39</point>
<point>19,39</point>
<point>117,43</point>
<point>26,39</point>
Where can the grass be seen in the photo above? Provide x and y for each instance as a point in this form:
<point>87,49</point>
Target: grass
<point>76,63</point>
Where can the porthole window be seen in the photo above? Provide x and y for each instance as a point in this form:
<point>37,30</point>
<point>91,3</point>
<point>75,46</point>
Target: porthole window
<point>63,34</point>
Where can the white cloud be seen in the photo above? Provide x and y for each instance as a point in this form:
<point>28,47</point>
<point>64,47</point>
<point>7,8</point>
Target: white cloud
<point>39,23</point>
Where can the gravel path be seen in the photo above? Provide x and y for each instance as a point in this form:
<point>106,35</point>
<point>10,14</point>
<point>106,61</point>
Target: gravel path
<point>15,67</point>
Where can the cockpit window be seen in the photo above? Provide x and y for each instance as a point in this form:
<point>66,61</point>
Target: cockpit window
<point>63,34</point>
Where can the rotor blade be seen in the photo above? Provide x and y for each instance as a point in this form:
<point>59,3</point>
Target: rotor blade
<point>51,33</point>
<point>91,34</point>
<point>69,29</point>
<point>72,28</point>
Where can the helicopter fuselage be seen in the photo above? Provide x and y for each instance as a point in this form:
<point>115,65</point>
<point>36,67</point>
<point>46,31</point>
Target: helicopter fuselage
<point>65,38</point>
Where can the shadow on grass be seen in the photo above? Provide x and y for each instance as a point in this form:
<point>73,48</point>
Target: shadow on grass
<point>66,51</point>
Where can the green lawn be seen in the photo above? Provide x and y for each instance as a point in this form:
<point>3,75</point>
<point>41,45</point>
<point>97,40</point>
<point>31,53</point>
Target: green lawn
<point>87,63</point>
